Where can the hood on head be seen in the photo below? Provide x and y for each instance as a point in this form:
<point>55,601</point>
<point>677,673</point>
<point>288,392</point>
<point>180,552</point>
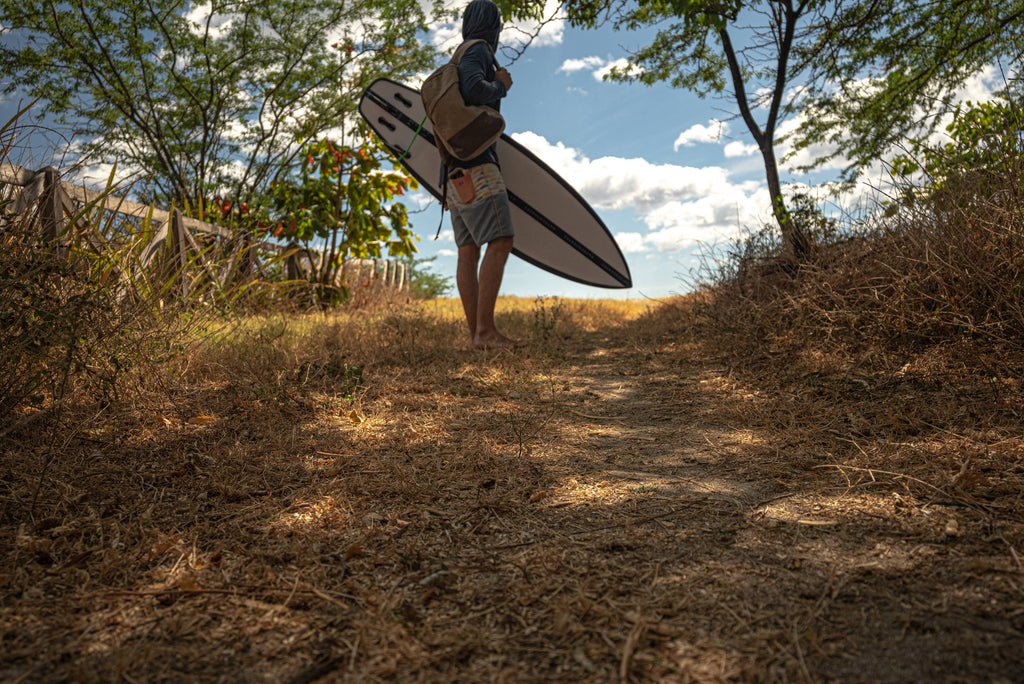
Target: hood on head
<point>482,20</point>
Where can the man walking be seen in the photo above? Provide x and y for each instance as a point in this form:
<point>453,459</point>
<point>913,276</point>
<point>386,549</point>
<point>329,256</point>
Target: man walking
<point>477,196</point>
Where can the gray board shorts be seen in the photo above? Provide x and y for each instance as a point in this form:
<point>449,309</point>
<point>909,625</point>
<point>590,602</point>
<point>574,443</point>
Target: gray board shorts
<point>479,204</point>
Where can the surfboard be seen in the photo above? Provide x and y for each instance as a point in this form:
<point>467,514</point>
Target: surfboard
<point>555,228</point>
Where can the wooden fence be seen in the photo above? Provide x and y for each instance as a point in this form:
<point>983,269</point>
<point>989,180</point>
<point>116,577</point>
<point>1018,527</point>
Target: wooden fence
<point>186,240</point>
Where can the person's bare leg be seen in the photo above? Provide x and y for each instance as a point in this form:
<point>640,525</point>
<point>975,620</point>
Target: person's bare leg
<point>492,269</point>
<point>466,280</point>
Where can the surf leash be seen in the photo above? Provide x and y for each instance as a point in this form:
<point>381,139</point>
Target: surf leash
<point>405,153</point>
<point>444,196</point>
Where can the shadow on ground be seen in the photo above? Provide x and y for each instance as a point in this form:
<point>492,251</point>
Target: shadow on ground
<point>625,510</point>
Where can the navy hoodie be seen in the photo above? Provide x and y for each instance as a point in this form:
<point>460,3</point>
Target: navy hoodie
<point>476,70</point>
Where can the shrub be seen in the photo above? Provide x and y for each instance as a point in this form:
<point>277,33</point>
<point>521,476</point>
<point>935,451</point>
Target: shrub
<point>944,264</point>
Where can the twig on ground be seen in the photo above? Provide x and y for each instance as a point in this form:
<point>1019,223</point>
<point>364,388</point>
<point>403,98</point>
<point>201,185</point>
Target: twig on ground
<point>630,647</point>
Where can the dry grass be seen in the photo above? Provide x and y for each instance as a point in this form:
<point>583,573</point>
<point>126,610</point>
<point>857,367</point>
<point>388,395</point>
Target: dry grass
<point>810,478</point>
<point>359,497</point>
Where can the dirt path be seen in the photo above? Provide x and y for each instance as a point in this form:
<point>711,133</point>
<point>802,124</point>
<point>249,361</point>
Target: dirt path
<point>621,513</point>
<point>749,556</point>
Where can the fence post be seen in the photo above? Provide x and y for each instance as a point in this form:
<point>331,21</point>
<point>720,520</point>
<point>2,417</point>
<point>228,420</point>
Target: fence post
<point>52,210</point>
<point>292,262</point>
<point>32,191</point>
<point>248,259</point>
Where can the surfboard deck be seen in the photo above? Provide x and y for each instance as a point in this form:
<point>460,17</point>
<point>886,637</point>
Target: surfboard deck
<point>555,228</point>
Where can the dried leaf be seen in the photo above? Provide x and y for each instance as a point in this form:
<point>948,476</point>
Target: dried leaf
<point>354,416</point>
<point>202,420</point>
<point>160,549</point>
<point>78,559</point>
<point>187,583</point>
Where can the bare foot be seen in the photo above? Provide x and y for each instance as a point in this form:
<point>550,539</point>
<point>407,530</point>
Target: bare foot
<point>496,340</point>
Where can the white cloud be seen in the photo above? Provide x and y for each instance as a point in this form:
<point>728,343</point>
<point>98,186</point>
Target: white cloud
<point>681,205</point>
<point>572,65</point>
<point>421,199</point>
<point>622,65</point>
<point>978,88</point>
<point>446,37</point>
<point>763,97</point>
<point>548,34</point>
<point>631,242</point>
<point>201,14</point>
<point>599,67</point>
<point>720,215</point>
<point>97,177</point>
<point>740,149</point>
<point>619,183</point>
<point>447,252</point>
<point>699,133</point>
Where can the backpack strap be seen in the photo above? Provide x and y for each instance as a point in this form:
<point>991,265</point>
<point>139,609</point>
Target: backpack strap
<point>456,58</point>
<point>461,51</point>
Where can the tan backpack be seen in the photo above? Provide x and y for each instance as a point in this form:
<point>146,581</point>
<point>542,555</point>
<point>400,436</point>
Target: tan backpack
<point>462,131</point>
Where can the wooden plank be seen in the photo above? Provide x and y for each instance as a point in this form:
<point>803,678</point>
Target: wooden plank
<point>201,256</point>
<point>153,248</point>
<point>123,206</point>
<point>16,175</point>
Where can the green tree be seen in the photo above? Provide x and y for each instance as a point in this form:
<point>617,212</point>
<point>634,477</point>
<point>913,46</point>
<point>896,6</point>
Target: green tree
<point>203,99</point>
<point>880,71</point>
<point>341,204</point>
<point>985,143</point>
<point>424,283</point>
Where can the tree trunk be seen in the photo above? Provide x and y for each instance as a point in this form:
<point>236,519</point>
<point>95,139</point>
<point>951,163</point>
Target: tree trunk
<point>797,246</point>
